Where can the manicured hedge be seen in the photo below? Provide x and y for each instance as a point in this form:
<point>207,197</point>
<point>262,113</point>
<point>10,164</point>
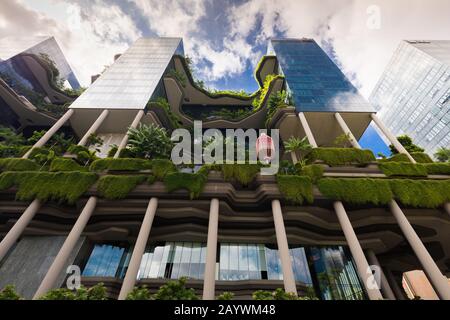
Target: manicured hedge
<point>420,157</point>
<point>126,164</point>
<point>391,169</point>
<point>413,193</point>
<point>357,191</point>
<point>48,186</point>
<point>118,187</point>
<point>66,165</point>
<point>421,193</point>
<point>297,189</point>
<point>18,164</point>
<point>315,171</point>
<point>341,156</point>
<point>437,168</point>
<point>243,173</point>
<point>160,168</point>
<point>192,182</point>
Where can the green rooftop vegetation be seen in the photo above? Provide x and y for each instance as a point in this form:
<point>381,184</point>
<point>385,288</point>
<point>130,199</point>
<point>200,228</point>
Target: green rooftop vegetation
<point>121,164</point>
<point>17,164</point>
<point>336,157</point>
<point>392,169</point>
<point>118,187</point>
<point>296,189</point>
<point>63,187</point>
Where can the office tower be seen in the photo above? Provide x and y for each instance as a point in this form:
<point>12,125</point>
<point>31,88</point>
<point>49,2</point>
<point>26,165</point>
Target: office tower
<point>413,94</point>
<point>134,219</point>
<point>33,77</point>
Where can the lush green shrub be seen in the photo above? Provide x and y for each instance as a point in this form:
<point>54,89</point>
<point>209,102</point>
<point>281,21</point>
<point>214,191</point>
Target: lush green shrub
<point>437,168</point>
<point>243,173</point>
<point>421,157</point>
<point>17,164</point>
<point>278,294</point>
<point>263,98</point>
<point>125,164</point>
<point>296,189</point>
<point>407,143</point>
<point>226,296</point>
<point>65,165</point>
<point>192,182</point>
<point>118,187</point>
<point>314,171</point>
<point>9,293</point>
<point>421,193</point>
<point>13,151</point>
<point>48,186</point>
<point>357,191</point>
<point>401,157</point>
<point>341,156</point>
<point>140,294</point>
<point>161,167</point>
<point>150,142</point>
<point>175,290</point>
<point>391,169</point>
<point>98,292</point>
<point>443,154</point>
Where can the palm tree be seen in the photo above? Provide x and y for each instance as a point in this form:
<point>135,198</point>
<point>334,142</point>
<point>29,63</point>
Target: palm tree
<point>294,145</point>
<point>443,155</point>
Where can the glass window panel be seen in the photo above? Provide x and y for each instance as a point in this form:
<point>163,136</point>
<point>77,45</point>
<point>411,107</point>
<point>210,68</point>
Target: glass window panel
<point>177,260</point>
<point>274,271</point>
<point>185,260</point>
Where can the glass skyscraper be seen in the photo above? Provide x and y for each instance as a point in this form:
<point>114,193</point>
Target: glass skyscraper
<point>313,79</point>
<point>133,79</point>
<point>11,47</point>
<point>413,95</point>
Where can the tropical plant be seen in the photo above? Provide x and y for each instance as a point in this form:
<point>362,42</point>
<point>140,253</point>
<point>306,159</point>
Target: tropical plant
<point>294,145</point>
<point>97,292</point>
<point>443,154</point>
<point>140,294</point>
<point>9,137</point>
<point>277,99</point>
<point>226,296</point>
<point>9,293</point>
<point>150,142</point>
<point>342,141</point>
<point>94,141</point>
<point>175,290</point>
<point>45,157</point>
<point>406,142</point>
<point>278,294</point>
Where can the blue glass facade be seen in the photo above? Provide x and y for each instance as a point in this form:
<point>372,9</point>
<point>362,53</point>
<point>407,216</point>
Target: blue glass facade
<point>329,269</point>
<point>314,81</point>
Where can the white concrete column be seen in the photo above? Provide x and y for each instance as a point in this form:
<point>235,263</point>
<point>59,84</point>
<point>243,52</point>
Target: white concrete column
<point>362,265</point>
<point>307,129</point>
<point>209,284</point>
<point>294,157</point>
<point>283,248</point>
<point>139,250</point>
<point>438,280</point>
<point>95,126</point>
<point>49,134</point>
<point>347,131</point>
<point>385,287</point>
<point>61,259</point>
<point>124,141</point>
<point>16,231</point>
<point>400,148</point>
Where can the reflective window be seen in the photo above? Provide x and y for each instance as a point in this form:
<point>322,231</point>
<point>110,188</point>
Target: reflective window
<point>336,274</point>
<point>173,260</point>
<point>107,261</point>
<point>314,81</point>
<point>131,81</point>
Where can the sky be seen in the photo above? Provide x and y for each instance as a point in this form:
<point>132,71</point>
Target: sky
<point>226,38</point>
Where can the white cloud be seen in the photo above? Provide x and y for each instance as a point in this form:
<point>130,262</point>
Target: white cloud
<point>360,50</point>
